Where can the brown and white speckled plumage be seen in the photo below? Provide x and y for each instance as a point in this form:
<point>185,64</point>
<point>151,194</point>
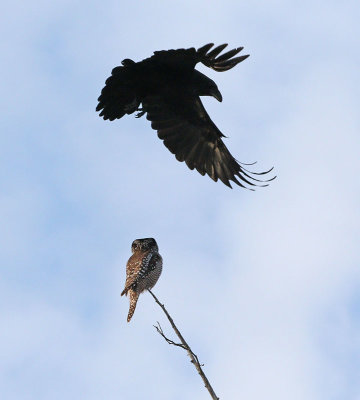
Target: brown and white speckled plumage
<point>143,270</point>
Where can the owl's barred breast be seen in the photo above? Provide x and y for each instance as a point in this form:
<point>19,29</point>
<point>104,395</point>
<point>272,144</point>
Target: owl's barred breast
<point>153,273</point>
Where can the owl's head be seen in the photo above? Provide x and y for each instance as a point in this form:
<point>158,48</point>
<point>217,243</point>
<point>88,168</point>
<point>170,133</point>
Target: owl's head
<point>144,245</point>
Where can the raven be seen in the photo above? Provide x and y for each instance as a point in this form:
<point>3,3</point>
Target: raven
<point>168,87</point>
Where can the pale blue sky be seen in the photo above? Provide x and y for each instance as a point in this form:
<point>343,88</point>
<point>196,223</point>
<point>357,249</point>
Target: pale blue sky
<point>263,285</point>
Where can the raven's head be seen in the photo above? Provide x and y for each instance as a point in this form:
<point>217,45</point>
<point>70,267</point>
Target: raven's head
<point>204,86</point>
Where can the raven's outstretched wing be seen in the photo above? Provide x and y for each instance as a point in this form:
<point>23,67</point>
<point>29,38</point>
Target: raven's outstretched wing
<point>190,134</point>
<point>186,59</point>
<point>219,63</point>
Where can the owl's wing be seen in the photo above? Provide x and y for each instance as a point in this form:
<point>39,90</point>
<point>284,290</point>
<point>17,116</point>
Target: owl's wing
<point>133,267</point>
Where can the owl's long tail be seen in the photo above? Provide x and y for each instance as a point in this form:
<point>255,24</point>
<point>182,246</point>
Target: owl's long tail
<point>133,300</point>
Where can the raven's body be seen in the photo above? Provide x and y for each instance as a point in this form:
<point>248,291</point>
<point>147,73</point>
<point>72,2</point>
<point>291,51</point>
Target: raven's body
<point>167,87</point>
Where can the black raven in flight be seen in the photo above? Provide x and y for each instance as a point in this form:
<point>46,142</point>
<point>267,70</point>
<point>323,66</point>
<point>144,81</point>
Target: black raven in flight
<point>168,87</point>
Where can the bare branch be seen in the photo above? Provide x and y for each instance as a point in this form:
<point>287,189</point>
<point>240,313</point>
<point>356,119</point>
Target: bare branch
<point>161,332</point>
<point>193,357</point>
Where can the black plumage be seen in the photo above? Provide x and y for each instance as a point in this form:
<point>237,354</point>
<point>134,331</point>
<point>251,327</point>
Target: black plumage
<point>167,87</point>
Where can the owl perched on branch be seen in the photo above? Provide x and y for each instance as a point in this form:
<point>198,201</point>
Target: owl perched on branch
<point>142,270</point>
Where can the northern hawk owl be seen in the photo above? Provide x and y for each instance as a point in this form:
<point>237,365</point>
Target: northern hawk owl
<point>143,270</point>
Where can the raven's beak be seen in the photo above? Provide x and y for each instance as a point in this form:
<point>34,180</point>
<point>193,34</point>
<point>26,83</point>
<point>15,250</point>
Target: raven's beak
<point>216,93</point>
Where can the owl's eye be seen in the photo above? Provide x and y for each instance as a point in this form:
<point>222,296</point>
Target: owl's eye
<point>135,245</point>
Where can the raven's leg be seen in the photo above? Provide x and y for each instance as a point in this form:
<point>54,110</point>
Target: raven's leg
<point>140,113</point>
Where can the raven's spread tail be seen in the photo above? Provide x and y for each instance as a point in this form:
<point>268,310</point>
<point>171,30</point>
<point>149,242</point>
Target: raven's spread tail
<point>118,96</point>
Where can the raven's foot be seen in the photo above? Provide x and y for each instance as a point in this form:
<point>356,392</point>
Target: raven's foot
<point>140,113</point>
